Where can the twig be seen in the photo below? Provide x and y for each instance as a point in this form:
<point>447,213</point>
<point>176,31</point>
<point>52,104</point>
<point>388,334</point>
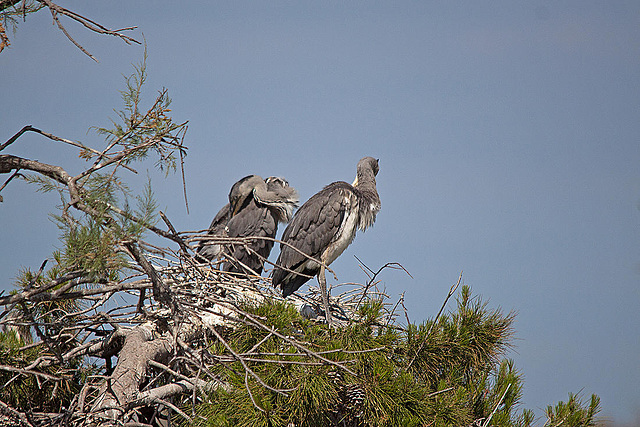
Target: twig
<point>184,181</point>
<point>406,313</point>
<point>486,422</point>
<point>244,365</point>
<point>13,175</point>
<point>174,408</point>
<point>391,315</point>
<point>172,372</point>
<point>435,393</point>
<point>55,9</point>
<point>8,409</point>
<point>290,341</point>
<point>161,290</point>
<point>39,295</point>
<point>16,136</point>
<point>246,384</point>
<point>393,265</point>
<point>29,372</point>
<point>262,341</point>
<point>177,238</point>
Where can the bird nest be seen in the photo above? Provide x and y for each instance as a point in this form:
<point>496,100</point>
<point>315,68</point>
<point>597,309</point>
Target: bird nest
<point>214,296</point>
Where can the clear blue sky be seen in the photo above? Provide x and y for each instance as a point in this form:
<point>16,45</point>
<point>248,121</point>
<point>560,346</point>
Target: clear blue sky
<point>508,136</point>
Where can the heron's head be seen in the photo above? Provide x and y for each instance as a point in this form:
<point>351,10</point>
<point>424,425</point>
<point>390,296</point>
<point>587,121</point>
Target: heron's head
<point>367,167</point>
<point>241,191</point>
<point>279,195</point>
<point>274,183</point>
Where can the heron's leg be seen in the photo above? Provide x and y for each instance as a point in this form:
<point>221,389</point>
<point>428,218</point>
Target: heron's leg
<point>322,281</point>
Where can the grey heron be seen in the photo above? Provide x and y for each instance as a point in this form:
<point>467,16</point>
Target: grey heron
<point>323,227</point>
<point>255,208</point>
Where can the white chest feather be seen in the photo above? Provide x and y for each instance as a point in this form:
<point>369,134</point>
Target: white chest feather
<point>344,237</point>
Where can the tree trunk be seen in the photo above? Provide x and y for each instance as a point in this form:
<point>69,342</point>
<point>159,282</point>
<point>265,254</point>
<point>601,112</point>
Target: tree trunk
<point>123,386</point>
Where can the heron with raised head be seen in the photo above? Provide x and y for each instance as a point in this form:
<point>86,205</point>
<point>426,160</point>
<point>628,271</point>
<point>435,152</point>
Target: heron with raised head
<point>322,229</point>
<point>255,208</point>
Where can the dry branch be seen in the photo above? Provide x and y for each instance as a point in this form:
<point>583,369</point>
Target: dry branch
<point>9,7</point>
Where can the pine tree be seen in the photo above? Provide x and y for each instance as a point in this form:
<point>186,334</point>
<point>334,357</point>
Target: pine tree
<point>118,330</point>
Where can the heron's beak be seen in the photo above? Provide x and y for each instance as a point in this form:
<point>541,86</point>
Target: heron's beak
<point>355,181</point>
<point>235,210</point>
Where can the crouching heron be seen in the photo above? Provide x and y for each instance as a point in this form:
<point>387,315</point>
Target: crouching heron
<point>323,228</point>
<point>255,208</point>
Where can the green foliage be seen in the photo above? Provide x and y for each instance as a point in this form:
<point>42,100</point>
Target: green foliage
<point>574,413</point>
<point>50,391</point>
<point>463,344</point>
<point>10,15</point>
<point>91,247</point>
<point>96,214</point>
<point>50,316</point>
<point>457,377</point>
<point>146,213</point>
<point>140,132</point>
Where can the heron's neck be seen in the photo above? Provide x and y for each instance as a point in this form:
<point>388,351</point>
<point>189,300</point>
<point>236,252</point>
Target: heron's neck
<point>369,199</point>
<point>365,179</point>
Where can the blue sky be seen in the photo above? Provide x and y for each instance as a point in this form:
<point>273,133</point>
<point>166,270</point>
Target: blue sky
<point>508,137</point>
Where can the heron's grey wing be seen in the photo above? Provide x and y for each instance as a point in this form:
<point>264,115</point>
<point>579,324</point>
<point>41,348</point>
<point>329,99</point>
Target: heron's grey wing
<point>253,220</point>
<point>311,230</point>
<point>220,221</point>
<point>208,249</point>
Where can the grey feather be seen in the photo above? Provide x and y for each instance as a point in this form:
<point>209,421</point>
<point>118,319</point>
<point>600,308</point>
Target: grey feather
<point>217,227</point>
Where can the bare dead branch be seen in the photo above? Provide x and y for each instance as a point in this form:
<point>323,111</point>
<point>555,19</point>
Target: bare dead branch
<point>9,163</point>
<point>14,413</point>
<point>161,291</point>
<point>56,10</point>
<point>15,137</point>
<point>29,372</point>
<point>392,265</point>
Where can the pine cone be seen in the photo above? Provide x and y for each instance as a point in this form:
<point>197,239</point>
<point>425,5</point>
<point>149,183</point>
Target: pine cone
<point>355,396</point>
